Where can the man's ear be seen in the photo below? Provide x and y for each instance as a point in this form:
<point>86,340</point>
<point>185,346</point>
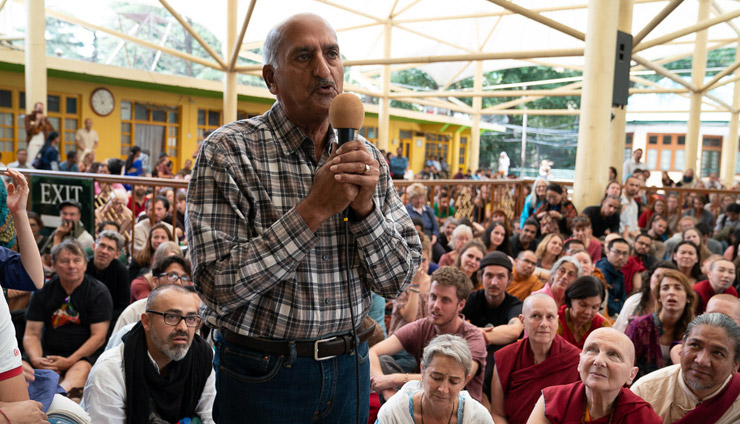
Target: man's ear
<point>268,74</point>
<point>146,321</point>
<point>461,305</point>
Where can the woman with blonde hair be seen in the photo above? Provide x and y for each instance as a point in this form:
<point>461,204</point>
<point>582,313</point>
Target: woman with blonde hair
<point>549,250</point>
<point>460,236</point>
<point>534,200</point>
<point>418,208</point>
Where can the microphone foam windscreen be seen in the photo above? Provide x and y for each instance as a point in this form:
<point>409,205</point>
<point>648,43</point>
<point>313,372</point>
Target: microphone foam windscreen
<point>347,111</point>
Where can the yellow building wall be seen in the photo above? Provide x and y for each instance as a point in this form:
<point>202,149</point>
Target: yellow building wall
<point>109,127</point>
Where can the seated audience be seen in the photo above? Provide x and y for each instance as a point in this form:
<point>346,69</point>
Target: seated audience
<point>447,366</point>
<point>142,260</point>
<point>534,200</point>
<point>418,208</point>
<point>541,360</point>
<point>72,228</point>
<point>526,239</point>
<point>142,285</point>
<point>156,212</point>
<point>656,208</point>
<point>606,366</point>
<point>447,296</point>
<point>653,335</point>
<point>162,372</point>
<point>580,314</point>
<point>721,278</point>
<point>617,252</point>
<point>605,217</point>
<point>460,237</point>
<point>496,238</point>
<point>494,311</point>
<point>558,207</point>
<point>582,233</point>
<point>645,301</point>
<point>549,251</point>
<point>698,212</point>
<point>524,281</point>
<point>637,263</point>
<point>563,274</point>
<point>105,268</point>
<point>469,260</point>
<point>705,386</point>
<point>442,245</point>
<point>686,259</point>
<point>411,304</point>
<point>67,321</point>
<point>115,210</point>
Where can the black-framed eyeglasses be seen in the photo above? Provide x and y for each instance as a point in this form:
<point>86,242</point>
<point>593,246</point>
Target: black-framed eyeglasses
<point>172,277</point>
<point>174,319</point>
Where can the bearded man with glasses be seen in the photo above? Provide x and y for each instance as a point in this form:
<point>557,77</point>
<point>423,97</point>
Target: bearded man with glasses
<point>162,371</point>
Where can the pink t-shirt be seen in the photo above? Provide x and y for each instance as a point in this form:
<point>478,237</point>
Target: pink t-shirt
<point>416,335</point>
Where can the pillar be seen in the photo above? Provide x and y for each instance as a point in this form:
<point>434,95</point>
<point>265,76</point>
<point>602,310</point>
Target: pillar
<point>596,100</point>
<point>698,68</point>
<point>473,156</point>
<point>35,53</point>
<point>384,117</point>
<point>230,76</point>
<point>615,152</point>
<point>730,144</point>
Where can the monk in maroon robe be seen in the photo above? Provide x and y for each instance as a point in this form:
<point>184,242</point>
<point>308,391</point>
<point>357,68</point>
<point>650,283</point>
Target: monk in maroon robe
<point>526,367</point>
<point>606,365</point>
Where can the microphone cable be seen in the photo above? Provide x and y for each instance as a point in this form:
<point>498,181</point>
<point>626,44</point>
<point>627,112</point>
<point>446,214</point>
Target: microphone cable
<point>353,332</point>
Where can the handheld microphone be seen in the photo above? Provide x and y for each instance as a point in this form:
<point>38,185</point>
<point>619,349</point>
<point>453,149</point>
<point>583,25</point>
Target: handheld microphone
<point>346,115</point>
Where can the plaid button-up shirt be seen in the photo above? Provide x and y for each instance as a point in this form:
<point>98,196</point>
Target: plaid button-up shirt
<point>258,267</point>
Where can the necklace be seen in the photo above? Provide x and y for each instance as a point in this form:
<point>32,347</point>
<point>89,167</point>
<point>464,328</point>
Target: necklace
<point>421,409</point>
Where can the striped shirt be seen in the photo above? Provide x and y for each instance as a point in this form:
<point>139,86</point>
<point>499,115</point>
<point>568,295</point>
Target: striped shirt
<point>257,266</point>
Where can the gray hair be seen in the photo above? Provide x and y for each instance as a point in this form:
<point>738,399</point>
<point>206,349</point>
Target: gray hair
<point>111,235</point>
<point>716,319</point>
<point>564,259</point>
<point>451,220</point>
<point>451,346</point>
<point>458,231</point>
<point>159,290</point>
<point>416,189</point>
<point>166,249</point>
<point>70,245</point>
<point>274,41</point>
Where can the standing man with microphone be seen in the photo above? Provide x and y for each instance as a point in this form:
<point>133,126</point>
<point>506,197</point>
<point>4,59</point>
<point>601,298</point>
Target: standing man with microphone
<point>265,224</point>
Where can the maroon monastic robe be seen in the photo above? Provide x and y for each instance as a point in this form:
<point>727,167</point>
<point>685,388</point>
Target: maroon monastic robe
<point>566,405</point>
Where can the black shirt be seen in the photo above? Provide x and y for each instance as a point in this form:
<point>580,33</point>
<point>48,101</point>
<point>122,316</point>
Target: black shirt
<point>478,312</point>
<point>516,245</point>
<point>115,278</point>
<point>599,223</point>
<point>90,303</point>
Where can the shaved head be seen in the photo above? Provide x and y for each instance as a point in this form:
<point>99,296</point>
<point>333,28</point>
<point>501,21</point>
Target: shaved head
<point>725,304</point>
<point>617,336</point>
<point>540,299</point>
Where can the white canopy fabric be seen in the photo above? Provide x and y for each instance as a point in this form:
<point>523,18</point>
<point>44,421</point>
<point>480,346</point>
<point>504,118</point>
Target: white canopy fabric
<point>423,28</point>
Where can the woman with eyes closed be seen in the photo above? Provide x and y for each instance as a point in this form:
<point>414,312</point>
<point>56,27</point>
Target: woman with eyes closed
<point>579,316</point>
<point>438,398</point>
<point>654,334</point>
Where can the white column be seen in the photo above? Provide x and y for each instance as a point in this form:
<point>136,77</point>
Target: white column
<point>384,109</point>
<point>596,100</point>
<point>698,68</point>
<point>473,156</point>
<point>230,77</point>
<point>730,144</point>
<point>35,52</point>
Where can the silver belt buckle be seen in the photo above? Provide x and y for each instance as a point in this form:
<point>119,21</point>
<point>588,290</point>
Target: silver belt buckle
<point>316,349</point>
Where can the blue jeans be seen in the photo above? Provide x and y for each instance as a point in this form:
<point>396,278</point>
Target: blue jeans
<point>256,387</point>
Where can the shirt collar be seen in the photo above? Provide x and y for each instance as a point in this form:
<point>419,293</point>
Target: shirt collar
<point>288,137</point>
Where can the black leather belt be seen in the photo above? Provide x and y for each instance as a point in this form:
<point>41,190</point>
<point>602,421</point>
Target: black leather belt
<point>320,349</point>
